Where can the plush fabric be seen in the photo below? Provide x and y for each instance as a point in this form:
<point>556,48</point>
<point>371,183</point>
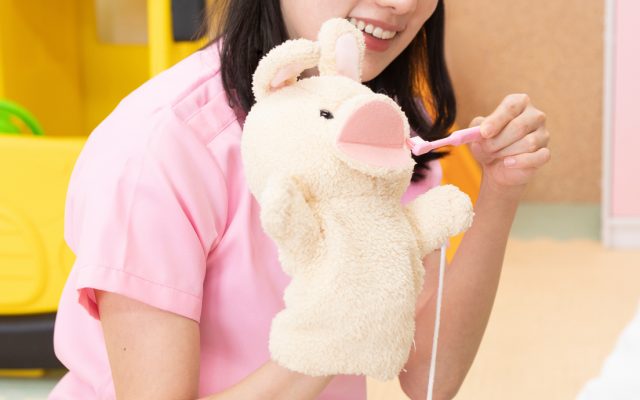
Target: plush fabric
<point>327,160</point>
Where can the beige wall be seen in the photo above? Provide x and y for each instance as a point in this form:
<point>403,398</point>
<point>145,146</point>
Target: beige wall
<point>552,50</point>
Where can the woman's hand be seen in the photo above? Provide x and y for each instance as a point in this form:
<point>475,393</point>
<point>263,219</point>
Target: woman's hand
<point>514,143</point>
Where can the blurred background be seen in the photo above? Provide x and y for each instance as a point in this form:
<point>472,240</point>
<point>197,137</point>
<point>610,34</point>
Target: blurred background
<point>571,277</point>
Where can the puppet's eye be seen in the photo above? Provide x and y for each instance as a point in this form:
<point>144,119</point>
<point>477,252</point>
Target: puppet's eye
<point>326,114</point>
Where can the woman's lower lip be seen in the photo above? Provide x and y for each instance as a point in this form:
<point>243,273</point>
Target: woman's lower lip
<point>375,44</point>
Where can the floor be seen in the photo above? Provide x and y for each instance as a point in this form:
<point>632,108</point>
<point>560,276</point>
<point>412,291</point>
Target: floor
<point>562,303</point>
<point>559,310</point>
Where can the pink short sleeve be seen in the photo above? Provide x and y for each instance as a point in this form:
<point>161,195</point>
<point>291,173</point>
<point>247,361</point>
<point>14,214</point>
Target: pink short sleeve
<point>142,224</point>
<point>432,179</point>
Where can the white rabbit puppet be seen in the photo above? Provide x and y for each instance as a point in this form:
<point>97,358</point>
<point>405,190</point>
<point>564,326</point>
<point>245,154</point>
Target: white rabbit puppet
<point>327,160</point>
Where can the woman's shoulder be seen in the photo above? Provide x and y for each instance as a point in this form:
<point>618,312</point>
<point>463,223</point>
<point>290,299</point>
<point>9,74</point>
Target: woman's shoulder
<point>161,130</point>
<point>183,92</point>
<point>184,104</point>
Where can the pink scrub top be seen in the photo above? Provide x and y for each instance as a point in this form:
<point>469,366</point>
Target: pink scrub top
<point>158,210</point>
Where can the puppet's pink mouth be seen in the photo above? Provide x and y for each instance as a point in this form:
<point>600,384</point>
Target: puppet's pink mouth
<point>374,134</point>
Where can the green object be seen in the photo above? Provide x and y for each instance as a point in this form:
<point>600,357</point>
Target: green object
<point>9,112</point>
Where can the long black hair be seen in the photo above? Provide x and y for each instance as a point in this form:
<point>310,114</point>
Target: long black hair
<point>251,28</point>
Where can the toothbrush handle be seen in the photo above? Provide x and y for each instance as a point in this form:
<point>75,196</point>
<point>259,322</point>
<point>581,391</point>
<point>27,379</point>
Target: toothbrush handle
<point>464,136</point>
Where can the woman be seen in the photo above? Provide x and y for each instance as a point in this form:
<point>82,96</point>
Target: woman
<point>175,284</point>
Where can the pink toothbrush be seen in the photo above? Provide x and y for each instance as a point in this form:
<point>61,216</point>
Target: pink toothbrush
<point>420,146</point>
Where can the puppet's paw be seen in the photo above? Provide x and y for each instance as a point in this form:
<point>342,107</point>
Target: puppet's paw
<point>457,211</point>
<point>442,212</point>
<point>277,204</point>
<point>288,219</point>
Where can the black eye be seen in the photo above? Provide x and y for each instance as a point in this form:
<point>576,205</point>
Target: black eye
<point>326,114</point>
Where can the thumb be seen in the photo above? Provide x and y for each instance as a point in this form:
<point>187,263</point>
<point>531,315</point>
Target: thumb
<point>476,121</point>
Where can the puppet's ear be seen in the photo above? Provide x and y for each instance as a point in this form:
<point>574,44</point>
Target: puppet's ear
<point>341,49</point>
<point>282,65</point>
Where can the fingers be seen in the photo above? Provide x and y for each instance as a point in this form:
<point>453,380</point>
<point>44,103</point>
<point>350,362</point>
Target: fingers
<point>515,135</point>
<point>514,143</point>
<point>530,143</point>
<point>510,108</point>
<point>521,126</point>
<point>528,160</point>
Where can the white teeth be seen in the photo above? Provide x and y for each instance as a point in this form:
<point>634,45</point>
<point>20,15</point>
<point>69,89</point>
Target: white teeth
<point>388,35</point>
<point>375,31</point>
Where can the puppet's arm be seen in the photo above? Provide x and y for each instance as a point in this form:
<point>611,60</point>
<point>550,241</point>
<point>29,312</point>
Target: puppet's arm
<point>437,215</point>
<point>291,223</point>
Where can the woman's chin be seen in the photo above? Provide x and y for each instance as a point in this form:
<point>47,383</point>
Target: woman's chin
<point>369,72</point>
<point>374,63</point>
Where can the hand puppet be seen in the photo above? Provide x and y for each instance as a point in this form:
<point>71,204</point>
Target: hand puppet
<point>328,161</point>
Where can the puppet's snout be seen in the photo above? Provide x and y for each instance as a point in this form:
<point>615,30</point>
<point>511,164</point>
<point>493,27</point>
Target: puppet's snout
<point>374,133</point>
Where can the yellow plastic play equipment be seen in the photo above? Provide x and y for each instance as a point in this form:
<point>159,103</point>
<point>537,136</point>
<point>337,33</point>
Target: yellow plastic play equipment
<point>34,258</point>
<point>69,63</point>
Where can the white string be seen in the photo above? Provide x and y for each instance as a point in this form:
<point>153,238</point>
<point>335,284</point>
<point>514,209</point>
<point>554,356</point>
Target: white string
<point>436,329</point>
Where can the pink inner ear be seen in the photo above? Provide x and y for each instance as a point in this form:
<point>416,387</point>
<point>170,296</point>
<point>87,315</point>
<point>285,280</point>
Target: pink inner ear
<point>285,73</point>
<point>348,57</point>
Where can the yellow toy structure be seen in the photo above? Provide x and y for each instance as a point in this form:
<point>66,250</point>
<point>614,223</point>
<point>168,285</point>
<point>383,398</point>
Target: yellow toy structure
<point>69,62</point>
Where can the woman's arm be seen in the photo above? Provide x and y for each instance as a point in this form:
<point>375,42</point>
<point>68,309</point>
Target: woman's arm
<point>155,354</point>
<point>513,148</point>
<point>470,286</point>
